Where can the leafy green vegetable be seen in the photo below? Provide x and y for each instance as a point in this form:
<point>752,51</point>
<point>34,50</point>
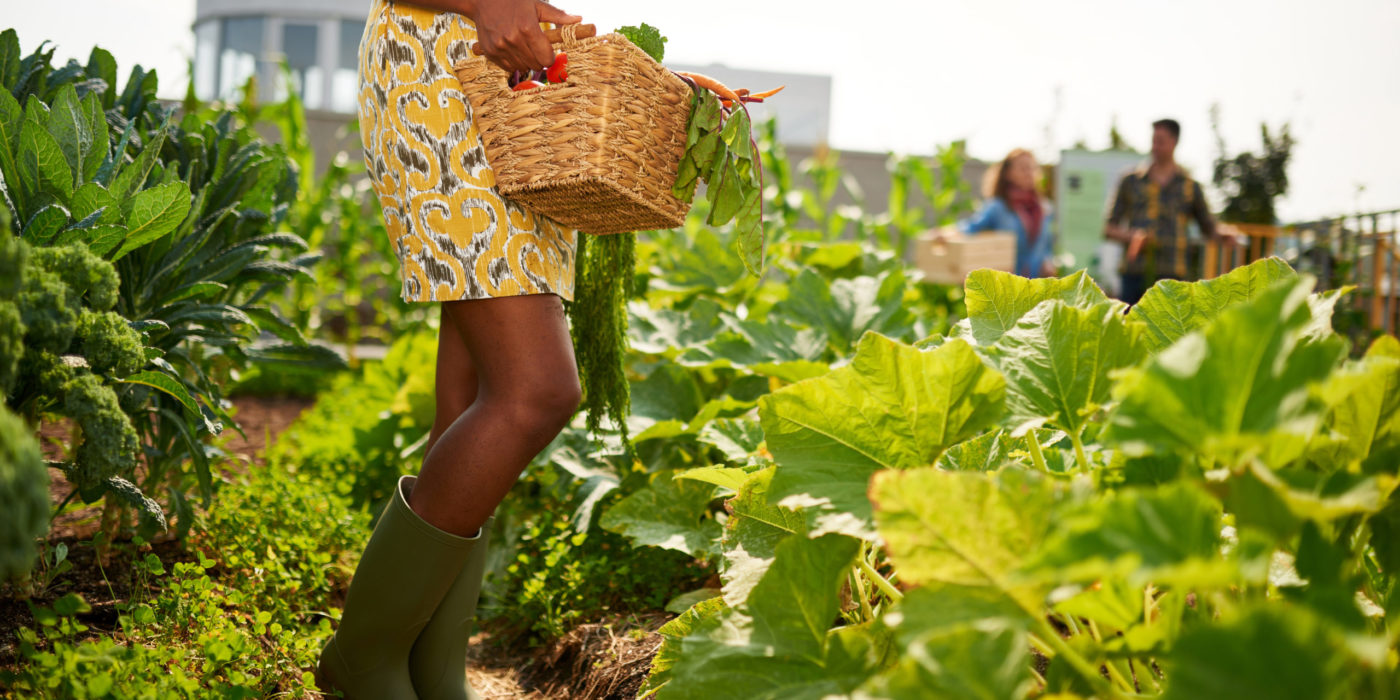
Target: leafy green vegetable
<point>669,513</point>
<point>24,496</point>
<point>647,38</point>
<point>893,407</point>
<point>1238,388</point>
<point>1057,361</point>
<point>719,152</point>
<point>1171,309</point>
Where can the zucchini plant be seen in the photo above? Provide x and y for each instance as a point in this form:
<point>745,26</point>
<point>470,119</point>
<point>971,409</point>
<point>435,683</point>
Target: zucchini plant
<point>1195,498</point>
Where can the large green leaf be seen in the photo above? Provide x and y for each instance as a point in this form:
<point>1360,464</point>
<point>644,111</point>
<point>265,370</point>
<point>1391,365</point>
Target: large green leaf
<point>45,224</point>
<point>668,332</point>
<point>846,309</point>
<point>40,161</point>
<point>1171,309</point>
<point>779,645</point>
<point>956,643</point>
<point>91,198</point>
<point>997,300</point>
<point>155,212</point>
<point>964,528</point>
<point>70,127</point>
<point>1275,651</point>
<point>131,176</point>
<point>751,536</point>
<point>9,59</point>
<point>1057,361</point>
<point>11,119</point>
<point>1167,535</point>
<point>1236,389</point>
<point>892,407</point>
<point>1364,422</point>
<point>795,602</point>
<point>668,513</point>
<point>167,384</point>
<point>699,619</point>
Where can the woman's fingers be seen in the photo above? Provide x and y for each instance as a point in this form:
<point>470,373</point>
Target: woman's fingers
<point>510,36</point>
<point>550,13</point>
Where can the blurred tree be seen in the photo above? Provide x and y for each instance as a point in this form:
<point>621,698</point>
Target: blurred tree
<point>1250,182</point>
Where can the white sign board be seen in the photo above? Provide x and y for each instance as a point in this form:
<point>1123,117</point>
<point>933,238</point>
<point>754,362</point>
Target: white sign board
<point>1085,182</point>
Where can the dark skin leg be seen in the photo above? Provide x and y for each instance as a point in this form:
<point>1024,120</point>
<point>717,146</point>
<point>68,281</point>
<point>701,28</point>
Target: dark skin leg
<point>456,379</point>
<point>513,377</point>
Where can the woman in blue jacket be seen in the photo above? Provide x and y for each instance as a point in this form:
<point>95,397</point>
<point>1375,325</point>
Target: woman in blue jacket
<point>1014,204</point>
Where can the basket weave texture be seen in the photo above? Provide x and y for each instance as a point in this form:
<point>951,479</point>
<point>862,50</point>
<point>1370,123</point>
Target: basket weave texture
<point>598,152</point>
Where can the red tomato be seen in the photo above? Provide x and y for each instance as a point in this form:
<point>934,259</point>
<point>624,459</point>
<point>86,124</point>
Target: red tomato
<point>527,84</point>
<point>558,72</point>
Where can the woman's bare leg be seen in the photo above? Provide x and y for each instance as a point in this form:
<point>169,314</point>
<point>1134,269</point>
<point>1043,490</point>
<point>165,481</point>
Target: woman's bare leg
<point>527,388</point>
<point>456,380</point>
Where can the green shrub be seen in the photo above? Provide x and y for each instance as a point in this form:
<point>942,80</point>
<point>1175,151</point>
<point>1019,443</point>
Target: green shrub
<point>169,224</point>
<point>24,496</point>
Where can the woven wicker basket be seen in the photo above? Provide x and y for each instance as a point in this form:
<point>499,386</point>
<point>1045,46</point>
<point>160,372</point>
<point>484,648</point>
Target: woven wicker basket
<point>598,152</point>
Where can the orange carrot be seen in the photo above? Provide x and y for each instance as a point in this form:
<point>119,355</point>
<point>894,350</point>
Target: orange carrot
<point>711,84</point>
<point>769,93</point>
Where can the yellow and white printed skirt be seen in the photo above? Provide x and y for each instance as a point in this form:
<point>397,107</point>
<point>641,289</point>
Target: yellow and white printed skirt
<point>455,236</point>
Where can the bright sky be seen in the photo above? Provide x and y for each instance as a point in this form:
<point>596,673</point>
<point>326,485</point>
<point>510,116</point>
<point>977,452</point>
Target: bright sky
<point>1000,73</point>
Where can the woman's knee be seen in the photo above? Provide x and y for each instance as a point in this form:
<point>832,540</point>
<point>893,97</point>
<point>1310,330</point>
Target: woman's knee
<point>544,406</point>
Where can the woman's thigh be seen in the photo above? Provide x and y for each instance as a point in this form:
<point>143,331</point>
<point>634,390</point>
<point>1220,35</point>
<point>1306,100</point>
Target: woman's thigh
<point>518,347</point>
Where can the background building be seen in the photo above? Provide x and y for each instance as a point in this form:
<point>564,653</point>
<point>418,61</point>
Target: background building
<point>319,40</point>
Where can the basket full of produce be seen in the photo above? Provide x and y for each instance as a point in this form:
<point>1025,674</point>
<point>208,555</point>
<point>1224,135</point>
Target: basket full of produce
<point>593,150</point>
<point>607,140</point>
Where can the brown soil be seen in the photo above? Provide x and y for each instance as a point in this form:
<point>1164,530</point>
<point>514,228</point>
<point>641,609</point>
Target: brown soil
<point>599,661</point>
<point>595,661</point>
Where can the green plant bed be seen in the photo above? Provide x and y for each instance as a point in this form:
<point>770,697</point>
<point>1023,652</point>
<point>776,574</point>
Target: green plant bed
<point>240,611</point>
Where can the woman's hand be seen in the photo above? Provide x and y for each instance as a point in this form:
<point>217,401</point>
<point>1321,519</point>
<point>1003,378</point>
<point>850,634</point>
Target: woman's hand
<point>509,32</point>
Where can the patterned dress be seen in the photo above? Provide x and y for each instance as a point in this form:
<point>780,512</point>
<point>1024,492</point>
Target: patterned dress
<point>455,236</point>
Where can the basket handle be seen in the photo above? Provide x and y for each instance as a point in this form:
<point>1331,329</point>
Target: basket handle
<point>567,34</point>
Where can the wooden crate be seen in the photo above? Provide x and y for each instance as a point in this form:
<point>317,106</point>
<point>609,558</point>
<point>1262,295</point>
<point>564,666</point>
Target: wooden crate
<point>946,255</point>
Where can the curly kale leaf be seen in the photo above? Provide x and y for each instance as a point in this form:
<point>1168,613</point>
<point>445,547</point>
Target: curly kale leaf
<point>110,443</point>
<point>49,317</point>
<point>111,347</point>
<point>24,496</point>
<point>11,346</point>
<point>13,254</point>
<point>85,273</point>
<point>647,38</point>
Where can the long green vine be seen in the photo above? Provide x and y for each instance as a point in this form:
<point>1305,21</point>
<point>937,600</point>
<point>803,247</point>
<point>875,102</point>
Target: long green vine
<point>603,283</point>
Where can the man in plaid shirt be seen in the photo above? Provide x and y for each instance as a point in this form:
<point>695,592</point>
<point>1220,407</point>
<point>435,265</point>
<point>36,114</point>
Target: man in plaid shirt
<point>1150,214</point>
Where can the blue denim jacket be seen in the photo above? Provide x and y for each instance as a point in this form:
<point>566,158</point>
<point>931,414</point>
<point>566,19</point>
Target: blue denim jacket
<point>997,216</point>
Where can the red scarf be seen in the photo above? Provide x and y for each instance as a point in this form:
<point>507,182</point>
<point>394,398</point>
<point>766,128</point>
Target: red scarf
<point>1026,204</point>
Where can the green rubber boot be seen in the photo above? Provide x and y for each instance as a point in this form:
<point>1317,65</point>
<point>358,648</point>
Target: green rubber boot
<point>407,568</point>
<point>438,662</point>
